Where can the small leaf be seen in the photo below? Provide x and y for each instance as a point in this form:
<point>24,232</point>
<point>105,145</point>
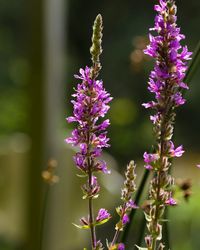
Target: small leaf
<point>87,196</point>
<point>141,248</point>
<point>81,226</point>
<point>119,210</point>
<point>147,217</point>
<point>101,222</point>
<point>82,175</point>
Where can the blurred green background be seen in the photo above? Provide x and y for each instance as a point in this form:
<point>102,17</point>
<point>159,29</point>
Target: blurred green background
<point>42,45</point>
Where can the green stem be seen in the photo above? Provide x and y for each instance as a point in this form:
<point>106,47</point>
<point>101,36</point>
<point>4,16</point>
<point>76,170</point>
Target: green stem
<point>115,237</point>
<point>91,216</point>
<point>44,210</point>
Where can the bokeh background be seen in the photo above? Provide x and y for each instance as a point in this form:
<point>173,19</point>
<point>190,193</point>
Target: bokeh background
<point>43,43</point>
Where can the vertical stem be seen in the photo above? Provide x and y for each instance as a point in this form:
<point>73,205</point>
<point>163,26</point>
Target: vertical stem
<point>115,237</point>
<point>117,232</point>
<point>158,178</point>
<point>91,216</point>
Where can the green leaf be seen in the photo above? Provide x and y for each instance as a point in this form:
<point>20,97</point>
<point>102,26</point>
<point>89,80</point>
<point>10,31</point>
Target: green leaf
<point>81,227</point>
<point>82,175</point>
<point>86,196</point>
<point>141,248</point>
<point>147,217</point>
<point>101,222</point>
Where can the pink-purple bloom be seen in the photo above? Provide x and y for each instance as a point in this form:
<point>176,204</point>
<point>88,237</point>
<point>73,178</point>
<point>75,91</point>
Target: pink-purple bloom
<point>171,202</point>
<point>166,82</point>
<point>102,215</point>
<point>90,104</point>
<point>167,77</point>
<point>121,246</point>
<point>149,159</point>
<point>125,219</point>
<point>176,152</point>
<point>172,69</point>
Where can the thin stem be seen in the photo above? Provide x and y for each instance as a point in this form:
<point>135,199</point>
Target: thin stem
<point>92,227</point>
<point>90,202</point>
<point>117,232</point>
<point>44,210</point>
<point>91,216</point>
<point>115,237</point>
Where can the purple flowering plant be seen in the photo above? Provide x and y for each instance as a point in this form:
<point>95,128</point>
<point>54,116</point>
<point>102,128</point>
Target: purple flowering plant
<point>166,83</point>
<point>90,105</point>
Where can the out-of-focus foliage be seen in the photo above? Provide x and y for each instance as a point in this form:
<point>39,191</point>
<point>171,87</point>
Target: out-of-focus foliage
<point>13,67</point>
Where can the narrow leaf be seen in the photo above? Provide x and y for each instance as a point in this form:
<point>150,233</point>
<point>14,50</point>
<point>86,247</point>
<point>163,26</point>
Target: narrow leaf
<point>81,227</point>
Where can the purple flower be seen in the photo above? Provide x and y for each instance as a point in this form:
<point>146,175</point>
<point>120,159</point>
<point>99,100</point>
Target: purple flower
<point>165,83</point>
<point>102,166</point>
<point>176,152</point>
<point>149,159</point>
<point>89,104</point>
<point>171,57</point>
<point>121,246</point>
<point>149,104</point>
<point>102,215</point>
<point>178,99</point>
<point>131,204</point>
<point>125,219</point>
<point>171,202</point>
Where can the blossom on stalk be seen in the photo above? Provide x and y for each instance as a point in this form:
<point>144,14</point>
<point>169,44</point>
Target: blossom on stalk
<point>90,105</point>
<point>102,215</point>
<point>166,83</point>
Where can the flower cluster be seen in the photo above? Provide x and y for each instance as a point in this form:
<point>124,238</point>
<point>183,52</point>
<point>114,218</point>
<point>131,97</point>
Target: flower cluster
<point>91,103</point>
<point>90,135</point>
<point>166,83</point>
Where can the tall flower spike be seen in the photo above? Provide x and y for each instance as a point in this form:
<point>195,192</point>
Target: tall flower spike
<point>90,105</point>
<point>128,204</point>
<point>166,83</point>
